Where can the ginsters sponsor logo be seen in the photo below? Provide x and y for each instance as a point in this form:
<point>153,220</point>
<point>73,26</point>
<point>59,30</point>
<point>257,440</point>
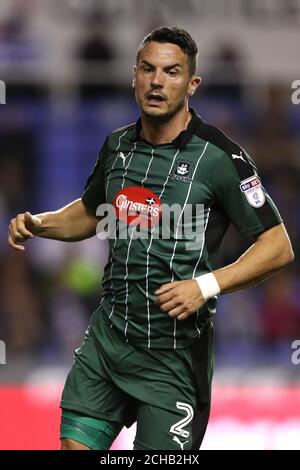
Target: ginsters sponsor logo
<point>136,205</point>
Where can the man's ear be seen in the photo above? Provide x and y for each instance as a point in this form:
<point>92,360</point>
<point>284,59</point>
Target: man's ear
<point>134,75</point>
<point>194,83</point>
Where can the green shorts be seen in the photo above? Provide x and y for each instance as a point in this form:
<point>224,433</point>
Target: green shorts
<point>167,392</point>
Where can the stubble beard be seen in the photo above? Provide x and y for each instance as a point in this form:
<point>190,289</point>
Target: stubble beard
<point>165,116</point>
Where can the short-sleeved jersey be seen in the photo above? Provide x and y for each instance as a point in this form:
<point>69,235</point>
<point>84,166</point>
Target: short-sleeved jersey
<point>201,169</point>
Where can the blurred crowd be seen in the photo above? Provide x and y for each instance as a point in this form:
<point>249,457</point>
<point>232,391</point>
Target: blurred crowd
<point>48,147</point>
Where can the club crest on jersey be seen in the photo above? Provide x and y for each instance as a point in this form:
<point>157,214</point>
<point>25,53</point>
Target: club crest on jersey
<point>252,189</point>
<point>182,171</point>
<point>137,205</point>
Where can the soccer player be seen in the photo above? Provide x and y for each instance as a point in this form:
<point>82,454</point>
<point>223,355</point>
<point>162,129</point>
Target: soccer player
<point>147,354</point>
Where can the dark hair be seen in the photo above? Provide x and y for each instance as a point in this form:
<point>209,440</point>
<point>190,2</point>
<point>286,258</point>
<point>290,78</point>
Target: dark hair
<point>177,36</point>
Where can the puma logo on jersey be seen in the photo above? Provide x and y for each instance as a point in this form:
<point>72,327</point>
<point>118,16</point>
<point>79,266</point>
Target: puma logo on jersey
<point>176,439</point>
<point>240,157</point>
<point>121,155</point>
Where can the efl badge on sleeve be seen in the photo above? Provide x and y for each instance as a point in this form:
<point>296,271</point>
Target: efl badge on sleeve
<point>253,191</point>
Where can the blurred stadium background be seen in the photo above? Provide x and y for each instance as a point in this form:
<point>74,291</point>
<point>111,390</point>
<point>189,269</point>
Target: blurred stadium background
<point>67,69</point>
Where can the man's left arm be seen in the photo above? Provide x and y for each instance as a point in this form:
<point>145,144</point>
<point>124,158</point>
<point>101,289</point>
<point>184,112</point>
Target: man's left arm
<point>271,251</point>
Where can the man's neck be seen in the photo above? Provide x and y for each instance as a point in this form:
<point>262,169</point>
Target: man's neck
<point>158,133</point>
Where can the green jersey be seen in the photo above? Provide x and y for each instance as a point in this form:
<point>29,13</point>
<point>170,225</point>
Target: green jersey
<point>202,173</point>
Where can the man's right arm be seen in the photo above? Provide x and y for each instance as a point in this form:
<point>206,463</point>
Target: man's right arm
<point>73,222</point>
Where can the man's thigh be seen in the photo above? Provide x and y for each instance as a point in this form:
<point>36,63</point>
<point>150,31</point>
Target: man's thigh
<point>160,429</point>
<point>175,397</point>
<point>79,432</point>
<point>90,389</point>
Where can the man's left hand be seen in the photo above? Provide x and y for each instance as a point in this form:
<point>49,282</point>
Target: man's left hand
<point>180,299</point>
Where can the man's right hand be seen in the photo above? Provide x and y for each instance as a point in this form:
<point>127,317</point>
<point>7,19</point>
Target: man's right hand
<point>23,227</point>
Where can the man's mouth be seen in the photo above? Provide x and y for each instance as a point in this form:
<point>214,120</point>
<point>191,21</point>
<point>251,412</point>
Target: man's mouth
<point>155,98</point>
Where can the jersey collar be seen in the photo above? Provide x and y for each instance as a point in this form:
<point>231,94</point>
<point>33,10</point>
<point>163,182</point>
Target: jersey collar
<point>181,140</point>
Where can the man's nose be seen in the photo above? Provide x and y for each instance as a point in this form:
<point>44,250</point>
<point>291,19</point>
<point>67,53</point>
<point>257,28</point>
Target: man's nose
<point>157,79</point>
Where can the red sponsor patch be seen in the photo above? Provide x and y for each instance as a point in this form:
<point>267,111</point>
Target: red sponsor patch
<point>136,205</point>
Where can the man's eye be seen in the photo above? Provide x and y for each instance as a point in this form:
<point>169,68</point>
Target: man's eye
<point>147,69</point>
<point>172,73</point>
